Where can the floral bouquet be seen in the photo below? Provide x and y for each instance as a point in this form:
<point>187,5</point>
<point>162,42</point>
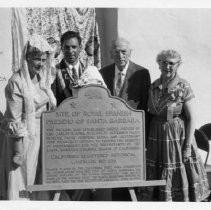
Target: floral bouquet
<point>90,76</point>
<point>177,92</point>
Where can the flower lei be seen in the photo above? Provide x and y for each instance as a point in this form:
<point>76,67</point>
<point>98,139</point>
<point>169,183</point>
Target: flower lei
<point>91,75</point>
<point>177,92</point>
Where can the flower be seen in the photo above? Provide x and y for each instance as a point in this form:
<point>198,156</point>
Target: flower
<point>91,75</point>
<point>177,92</point>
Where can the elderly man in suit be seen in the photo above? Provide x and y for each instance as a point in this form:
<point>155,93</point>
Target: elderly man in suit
<point>70,68</point>
<point>128,81</point>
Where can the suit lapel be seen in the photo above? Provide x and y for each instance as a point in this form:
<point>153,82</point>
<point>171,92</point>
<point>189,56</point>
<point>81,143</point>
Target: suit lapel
<point>111,79</point>
<point>67,76</point>
<point>81,69</point>
<point>65,79</point>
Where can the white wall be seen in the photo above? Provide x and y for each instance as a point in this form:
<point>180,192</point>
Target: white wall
<point>186,30</point>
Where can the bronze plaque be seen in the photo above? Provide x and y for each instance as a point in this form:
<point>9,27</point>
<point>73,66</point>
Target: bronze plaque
<point>93,140</point>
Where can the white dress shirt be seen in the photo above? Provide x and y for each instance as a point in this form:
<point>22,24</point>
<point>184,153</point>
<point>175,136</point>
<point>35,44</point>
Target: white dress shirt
<point>76,66</point>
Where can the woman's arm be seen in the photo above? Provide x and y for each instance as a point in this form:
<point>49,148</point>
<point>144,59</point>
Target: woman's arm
<point>14,128</point>
<point>189,107</point>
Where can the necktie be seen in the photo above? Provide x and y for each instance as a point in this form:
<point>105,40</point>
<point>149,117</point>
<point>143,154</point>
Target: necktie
<point>74,75</point>
<point>119,83</point>
<point>38,77</point>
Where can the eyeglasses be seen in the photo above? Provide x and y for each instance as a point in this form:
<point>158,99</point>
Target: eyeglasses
<point>168,63</point>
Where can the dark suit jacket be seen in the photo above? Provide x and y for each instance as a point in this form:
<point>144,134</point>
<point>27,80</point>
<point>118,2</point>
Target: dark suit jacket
<point>62,88</point>
<point>135,92</point>
<point>63,83</point>
<point>135,87</point>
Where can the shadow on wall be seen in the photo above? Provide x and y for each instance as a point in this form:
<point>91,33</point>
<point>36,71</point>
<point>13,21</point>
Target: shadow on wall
<point>107,24</point>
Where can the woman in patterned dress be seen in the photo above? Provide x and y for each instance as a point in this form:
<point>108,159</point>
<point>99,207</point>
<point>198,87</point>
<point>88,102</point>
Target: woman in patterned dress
<point>171,149</point>
<point>28,94</point>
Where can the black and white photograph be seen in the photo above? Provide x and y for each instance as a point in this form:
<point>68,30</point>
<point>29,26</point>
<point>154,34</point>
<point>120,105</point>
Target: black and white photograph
<point>105,104</point>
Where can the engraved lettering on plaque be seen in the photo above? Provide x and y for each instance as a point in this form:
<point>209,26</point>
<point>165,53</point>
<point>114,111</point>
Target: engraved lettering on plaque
<point>99,141</point>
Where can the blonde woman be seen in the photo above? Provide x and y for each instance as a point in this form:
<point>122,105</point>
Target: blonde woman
<point>28,94</point>
<point>171,148</point>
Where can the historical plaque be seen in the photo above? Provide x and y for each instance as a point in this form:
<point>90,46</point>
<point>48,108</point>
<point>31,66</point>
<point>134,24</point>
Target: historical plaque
<point>93,140</point>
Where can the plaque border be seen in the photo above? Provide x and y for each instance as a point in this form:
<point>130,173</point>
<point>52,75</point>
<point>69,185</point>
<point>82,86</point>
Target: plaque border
<point>106,184</point>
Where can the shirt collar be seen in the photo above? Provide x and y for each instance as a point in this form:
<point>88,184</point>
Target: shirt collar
<point>124,71</point>
<point>173,82</point>
<point>71,66</point>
